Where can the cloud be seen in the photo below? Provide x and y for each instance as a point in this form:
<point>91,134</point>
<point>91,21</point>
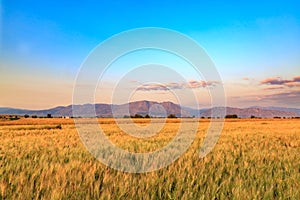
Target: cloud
<point>177,86</point>
<point>295,82</point>
<point>296,79</point>
<point>282,98</point>
<point>133,81</point>
<point>201,84</point>
<point>149,87</point>
<point>291,97</point>
<point>275,87</point>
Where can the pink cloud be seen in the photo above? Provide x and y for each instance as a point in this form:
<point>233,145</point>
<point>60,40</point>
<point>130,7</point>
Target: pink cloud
<point>173,85</point>
<point>287,98</point>
<point>296,79</point>
<point>275,87</point>
<point>278,81</point>
<point>293,84</point>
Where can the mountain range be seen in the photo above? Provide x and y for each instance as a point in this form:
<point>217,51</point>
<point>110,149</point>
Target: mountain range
<point>158,109</point>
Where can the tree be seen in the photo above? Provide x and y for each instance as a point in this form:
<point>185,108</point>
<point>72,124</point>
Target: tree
<point>234,116</point>
<point>26,116</point>
<point>252,117</point>
<point>172,116</point>
<point>137,116</point>
<point>147,116</point>
<point>49,116</point>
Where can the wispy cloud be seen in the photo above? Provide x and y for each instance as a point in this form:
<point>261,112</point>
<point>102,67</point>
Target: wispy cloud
<point>177,86</point>
<point>290,97</point>
<point>133,81</point>
<point>201,84</point>
<point>275,87</point>
<point>281,98</point>
<point>295,82</point>
<point>246,78</point>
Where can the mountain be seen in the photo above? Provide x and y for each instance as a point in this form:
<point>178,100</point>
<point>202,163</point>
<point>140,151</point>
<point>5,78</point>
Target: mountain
<point>194,112</point>
<point>106,110</point>
<point>153,108</point>
<point>247,112</point>
<point>294,110</point>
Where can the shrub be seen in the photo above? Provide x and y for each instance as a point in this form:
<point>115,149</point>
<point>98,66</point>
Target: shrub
<point>234,116</point>
<point>58,126</point>
<point>137,116</point>
<point>172,116</point>
<point>14,118</point>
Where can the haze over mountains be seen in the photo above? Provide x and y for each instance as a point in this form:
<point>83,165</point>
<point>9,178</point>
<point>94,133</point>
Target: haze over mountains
<point>157,109</point>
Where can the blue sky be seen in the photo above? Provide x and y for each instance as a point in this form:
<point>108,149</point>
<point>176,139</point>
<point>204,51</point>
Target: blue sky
<point>43,44</point>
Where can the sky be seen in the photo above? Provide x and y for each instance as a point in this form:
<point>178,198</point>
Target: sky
<point>255,47</point>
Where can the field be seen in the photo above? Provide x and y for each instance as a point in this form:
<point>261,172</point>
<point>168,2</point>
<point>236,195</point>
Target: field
<point>253,159</point>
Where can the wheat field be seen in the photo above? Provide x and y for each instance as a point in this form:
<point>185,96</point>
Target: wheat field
<point>253,159</point>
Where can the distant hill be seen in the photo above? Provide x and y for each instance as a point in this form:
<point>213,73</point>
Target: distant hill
<point>247,112</point>
<point>294,110</point>
<point>105,110</point>
<point>161,109</point>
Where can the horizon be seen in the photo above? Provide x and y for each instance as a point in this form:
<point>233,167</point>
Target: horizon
<point>199,108</point>
<point>255,48</point>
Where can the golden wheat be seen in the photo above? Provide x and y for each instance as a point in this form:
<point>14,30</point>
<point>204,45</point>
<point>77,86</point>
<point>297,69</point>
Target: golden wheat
<point>253,159</point>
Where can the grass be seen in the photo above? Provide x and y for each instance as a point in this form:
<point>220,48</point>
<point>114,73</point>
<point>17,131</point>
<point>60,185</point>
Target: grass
<point>254,159</point>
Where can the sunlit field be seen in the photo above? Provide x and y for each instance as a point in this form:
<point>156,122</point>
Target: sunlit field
<point>253,159</point>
